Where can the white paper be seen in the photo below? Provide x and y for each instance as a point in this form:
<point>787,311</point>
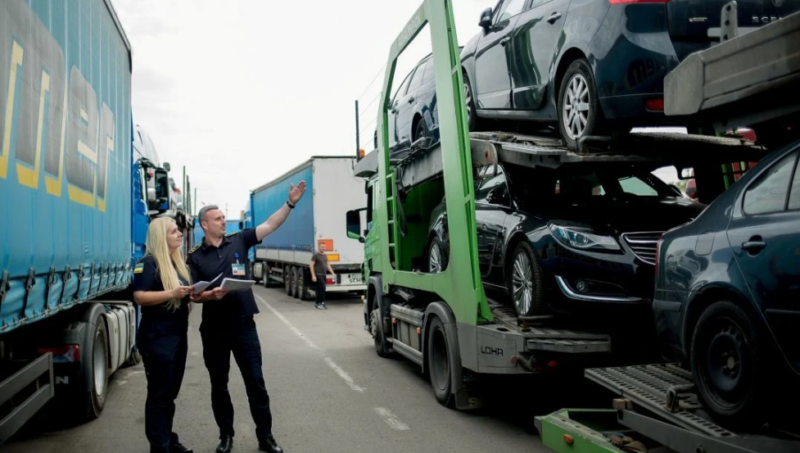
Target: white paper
<point>232,284</point>
<point>199,287</point>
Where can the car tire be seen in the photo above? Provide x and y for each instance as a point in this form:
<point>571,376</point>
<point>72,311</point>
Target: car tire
<point>419,130</point>
<point>728,365</point>
<point>440,364</point>
<point>525,281</point>
<point>469,97</point>
<point>579,112</point>
<point>437,256</point>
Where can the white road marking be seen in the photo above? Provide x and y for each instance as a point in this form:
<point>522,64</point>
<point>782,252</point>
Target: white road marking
<point>336,368</point>
<point>391,419</point>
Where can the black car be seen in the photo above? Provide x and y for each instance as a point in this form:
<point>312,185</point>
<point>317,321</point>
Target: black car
<point>577,239</point>
<point>591,64</point>
<point>727,291</point>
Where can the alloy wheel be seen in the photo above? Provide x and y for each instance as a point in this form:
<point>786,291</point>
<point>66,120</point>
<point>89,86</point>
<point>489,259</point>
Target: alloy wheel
<point>521,277</point>
<point>576,107</point>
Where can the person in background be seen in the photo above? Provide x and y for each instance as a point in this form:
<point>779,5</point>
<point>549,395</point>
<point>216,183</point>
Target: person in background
<point>161,288</point>
<point>319,268</point>
<point>228,325</point>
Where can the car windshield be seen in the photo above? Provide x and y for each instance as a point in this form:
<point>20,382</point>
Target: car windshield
<point>596,183</point>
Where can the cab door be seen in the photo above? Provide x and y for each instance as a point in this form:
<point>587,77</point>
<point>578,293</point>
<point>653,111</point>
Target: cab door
<point>492,83</point>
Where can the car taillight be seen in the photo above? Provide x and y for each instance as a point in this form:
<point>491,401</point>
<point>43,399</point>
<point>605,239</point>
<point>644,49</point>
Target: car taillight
<point>68,353</point>
<point>658,252</point>
<point>330,281</point>
<point>627,2</point>
<point>654,105</point>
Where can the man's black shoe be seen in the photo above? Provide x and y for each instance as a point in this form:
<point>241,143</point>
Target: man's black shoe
<point>269,445</point>
<point>225,445</point>
<point>179,448</point>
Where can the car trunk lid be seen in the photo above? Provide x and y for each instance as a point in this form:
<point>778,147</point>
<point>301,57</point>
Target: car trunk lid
<point>699,20</point>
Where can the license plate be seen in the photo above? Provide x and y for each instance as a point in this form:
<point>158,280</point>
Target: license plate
<point>356,278</point>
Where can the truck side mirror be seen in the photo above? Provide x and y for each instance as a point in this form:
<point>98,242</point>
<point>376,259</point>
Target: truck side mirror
<point>161,188</point>
<point>354,225</point>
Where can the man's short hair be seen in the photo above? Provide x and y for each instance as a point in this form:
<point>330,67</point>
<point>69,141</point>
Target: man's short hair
<point>203,211</point>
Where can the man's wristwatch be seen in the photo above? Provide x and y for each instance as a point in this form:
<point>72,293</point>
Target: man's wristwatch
<point>291,206</point>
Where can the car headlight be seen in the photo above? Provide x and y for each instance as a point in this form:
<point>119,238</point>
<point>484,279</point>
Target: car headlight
<point>583,238</point>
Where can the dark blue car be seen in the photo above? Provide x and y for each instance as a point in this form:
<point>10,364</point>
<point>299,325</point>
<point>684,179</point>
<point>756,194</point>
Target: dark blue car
<point>727,291</point>
<point>590,65</point>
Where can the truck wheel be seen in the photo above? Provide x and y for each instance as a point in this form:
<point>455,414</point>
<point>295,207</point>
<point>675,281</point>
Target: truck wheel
<point>440,366</point>
<point>95,369</point>
<point>728,365</point>
<point>302,288</point>
<point>265,275</point>
<point>297,275</point>
<point>287,280</point>
<point>382,347</point>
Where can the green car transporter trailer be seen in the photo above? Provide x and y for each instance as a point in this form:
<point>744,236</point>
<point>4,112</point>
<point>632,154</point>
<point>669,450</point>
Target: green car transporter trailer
<point>445,323</point>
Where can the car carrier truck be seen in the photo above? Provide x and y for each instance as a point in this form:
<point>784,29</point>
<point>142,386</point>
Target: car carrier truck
<point>75,204</point>
<point>444,321</point>
<point>285,255</point>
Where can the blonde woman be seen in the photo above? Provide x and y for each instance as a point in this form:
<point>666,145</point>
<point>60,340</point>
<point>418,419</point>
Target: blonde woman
<point>161,286</point>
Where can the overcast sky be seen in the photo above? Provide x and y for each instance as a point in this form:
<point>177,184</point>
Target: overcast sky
<point>242,91</point>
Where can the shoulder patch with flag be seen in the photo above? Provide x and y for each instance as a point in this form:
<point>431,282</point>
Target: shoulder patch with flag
<point>139,268</point>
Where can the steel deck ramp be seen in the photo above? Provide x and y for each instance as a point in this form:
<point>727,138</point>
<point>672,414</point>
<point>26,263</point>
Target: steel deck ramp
<point>541,335</point>
<point>653,387</point>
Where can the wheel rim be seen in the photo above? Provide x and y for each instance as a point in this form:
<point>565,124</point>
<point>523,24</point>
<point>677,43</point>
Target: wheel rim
<point>522,284</point>
<point>726,360</point>
<point>576,107</point>
<point>468,98</point>
<point>440,366</point>
<point>99,362</point>
<point>435,259</point>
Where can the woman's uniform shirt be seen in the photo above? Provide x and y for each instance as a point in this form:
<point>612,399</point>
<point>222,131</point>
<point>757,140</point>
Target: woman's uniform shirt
<point>158,320</point>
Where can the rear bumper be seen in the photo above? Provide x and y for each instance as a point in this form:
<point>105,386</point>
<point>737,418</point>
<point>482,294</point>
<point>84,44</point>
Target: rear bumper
<point>344,288</point>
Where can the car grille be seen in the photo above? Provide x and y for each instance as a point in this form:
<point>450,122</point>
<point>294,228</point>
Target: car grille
<point>643,245</point>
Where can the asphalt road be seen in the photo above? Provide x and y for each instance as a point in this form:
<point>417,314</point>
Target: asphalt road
<point>329,391</point>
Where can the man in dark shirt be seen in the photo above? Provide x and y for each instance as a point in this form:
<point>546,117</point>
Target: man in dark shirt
<point>319,268</point>
<point>228,325</point>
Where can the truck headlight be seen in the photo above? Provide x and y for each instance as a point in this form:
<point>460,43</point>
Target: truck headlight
<point>583,238</point>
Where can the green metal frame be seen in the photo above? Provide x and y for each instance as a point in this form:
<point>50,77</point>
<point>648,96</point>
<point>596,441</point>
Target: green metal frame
<point>459,285</point>
<point>585,439</point>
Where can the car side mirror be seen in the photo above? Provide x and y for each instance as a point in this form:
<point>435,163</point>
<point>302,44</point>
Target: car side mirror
<point>161,188</point>
<point>486,18</point>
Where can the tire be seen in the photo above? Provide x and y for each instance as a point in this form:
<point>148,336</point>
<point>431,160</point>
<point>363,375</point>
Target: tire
<point>525,281</point>
<point>469,97</point>
<point>382,347</point>
<point>419,130</point>
<point>95,369</point>
<point>287,280</point>
<point>302,283</point>
<point>728,365</point>
<point>437,256</point>
<point>134,359</point>
<point>265,276</point>
<point>295,281</point>
<point>440,364</point>
<point>577,90</point>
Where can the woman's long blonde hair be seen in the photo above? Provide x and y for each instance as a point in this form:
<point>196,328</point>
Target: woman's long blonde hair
<point>158,248</point>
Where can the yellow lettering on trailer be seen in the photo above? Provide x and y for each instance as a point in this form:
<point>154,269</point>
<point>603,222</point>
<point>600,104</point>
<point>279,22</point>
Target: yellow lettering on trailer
<point>16,64</point>
<point>27,176</point>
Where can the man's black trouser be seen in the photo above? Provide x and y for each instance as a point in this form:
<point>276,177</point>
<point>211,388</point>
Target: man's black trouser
<point>241,339</point>
<point>320,288</point>
<point>164,359</point>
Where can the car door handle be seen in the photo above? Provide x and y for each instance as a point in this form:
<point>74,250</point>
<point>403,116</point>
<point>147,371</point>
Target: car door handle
<point>553,18</point>
<point>505,41</point>
<point>411,100</point>
<point>754,245</point>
